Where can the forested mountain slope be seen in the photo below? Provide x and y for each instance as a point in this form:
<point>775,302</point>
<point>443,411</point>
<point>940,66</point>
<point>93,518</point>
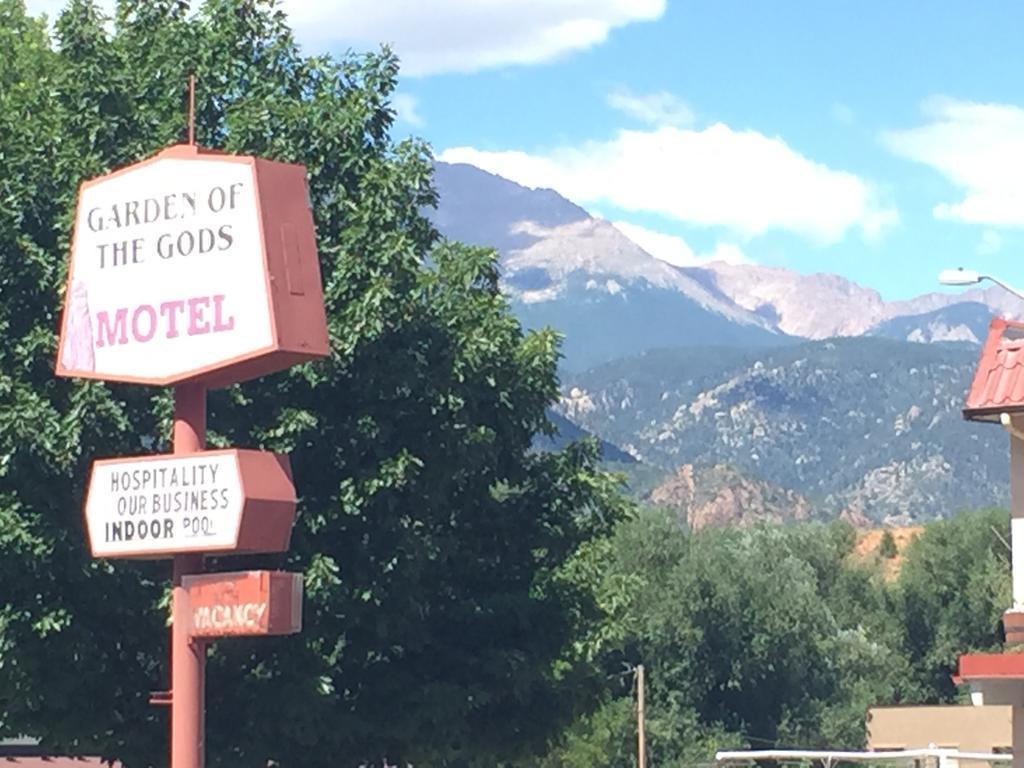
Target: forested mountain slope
<point>869,425</point>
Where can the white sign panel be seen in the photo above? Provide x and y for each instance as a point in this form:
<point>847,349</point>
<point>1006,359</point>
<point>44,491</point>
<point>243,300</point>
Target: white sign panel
<point>168,273</point>
<point>164,505</point>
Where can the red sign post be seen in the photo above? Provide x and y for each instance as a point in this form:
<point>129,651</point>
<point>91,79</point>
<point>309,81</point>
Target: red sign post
<point>188,654</point>
<point>195,269</point>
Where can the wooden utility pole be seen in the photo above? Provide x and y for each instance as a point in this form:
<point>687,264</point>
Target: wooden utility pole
<point>641,740</point>
<point>191,109</point>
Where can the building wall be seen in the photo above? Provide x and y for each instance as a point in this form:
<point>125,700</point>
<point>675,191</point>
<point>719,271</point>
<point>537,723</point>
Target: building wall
<point>983,728</point>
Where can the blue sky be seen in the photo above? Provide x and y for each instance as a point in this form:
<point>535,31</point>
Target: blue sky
<point>838,83</point>
<point>881,141</point>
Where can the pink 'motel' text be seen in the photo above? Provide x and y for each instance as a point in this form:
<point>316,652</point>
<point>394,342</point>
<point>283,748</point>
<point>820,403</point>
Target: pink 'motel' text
<point>167,320</point>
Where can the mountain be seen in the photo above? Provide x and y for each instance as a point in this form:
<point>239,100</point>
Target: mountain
<point>708,368</point>
<point>964,322</point>
<point>568,431</point>
<point>811,306</point>
<point>720,495</point>
<point>822,306</point>
<point>866,426</point>
<point>563,268</point>
<point>604,320</point>
<point>480,208</point>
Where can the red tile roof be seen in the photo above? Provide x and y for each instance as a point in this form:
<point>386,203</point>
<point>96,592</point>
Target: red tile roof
<point>998,385</point>
<point>986,666</point>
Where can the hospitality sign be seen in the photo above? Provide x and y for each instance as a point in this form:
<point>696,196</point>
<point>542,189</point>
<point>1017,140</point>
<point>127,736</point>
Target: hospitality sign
<point>157,506</point>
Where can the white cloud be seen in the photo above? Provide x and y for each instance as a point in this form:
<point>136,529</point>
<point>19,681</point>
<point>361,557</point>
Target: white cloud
<point>657,109</point>
<point>741,180</point>
<point>668,248</point>
<point>451,35</point>
<point>991,242</point>
<point>730,253</point>
<point>674,250</point>
<point>878,222</point>
<point>466,35</point>
<point>979,148</point>
<point>406,109</point>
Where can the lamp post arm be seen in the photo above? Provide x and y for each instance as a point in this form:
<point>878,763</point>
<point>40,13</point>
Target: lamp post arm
<point>1005,287</point>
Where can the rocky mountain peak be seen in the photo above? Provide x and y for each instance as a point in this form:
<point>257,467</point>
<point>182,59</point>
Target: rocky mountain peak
<point>565,268</point>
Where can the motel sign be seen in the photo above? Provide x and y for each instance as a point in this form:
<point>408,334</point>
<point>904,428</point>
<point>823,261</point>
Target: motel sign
<point>195,269</point>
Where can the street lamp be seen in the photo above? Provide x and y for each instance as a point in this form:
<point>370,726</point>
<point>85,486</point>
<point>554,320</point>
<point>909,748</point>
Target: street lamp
<point>963,276</point>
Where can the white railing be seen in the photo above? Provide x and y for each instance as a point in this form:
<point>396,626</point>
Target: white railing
<point>943,757</point>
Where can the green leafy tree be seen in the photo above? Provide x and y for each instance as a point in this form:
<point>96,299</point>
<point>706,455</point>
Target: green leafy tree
<point>439,615</point>
<point>953,588</point>
<point>771,636</point>
<point>887,546</point>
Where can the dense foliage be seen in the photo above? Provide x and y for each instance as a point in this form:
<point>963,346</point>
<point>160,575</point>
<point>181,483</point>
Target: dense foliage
<point>438,627</point>
<point>779,636</point>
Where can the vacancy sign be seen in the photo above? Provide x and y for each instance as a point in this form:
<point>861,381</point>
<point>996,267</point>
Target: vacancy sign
<point>192,265</point>
<point>215,501</point>
<point>244,603</point>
